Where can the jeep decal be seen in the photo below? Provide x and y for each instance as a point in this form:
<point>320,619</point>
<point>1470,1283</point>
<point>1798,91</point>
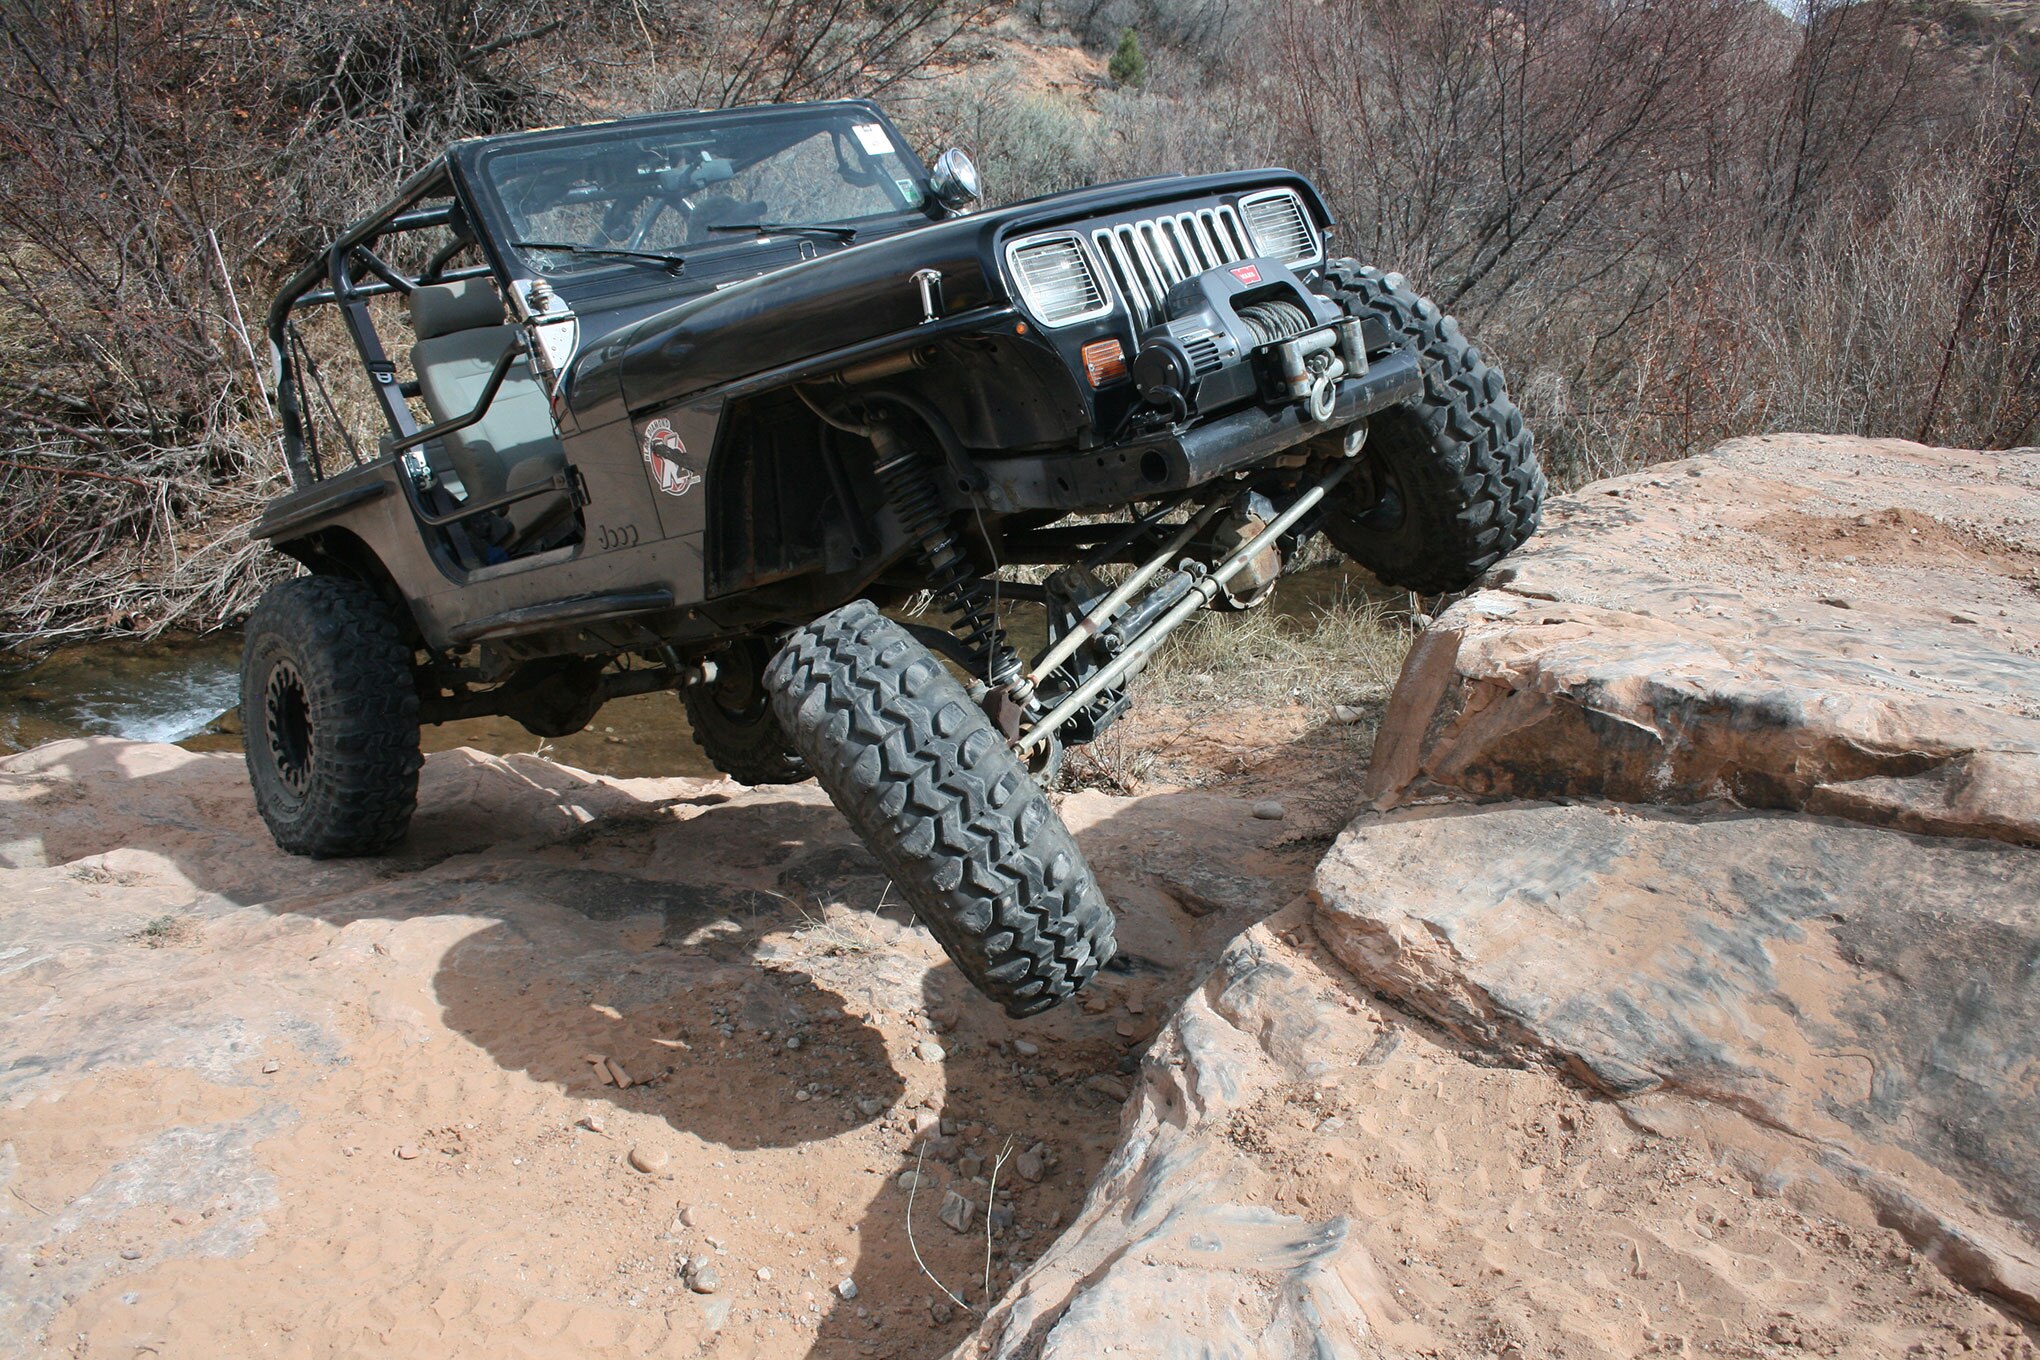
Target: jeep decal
<point>663,451</point>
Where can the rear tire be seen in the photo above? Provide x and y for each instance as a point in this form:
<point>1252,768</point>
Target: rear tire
<point>733,723</point>
<point>330,712</point>
<point>1454,484</point>
<point>966,835</point>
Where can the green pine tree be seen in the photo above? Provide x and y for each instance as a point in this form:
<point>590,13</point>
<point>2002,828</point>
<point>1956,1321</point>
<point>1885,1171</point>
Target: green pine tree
<point>1128,66</point>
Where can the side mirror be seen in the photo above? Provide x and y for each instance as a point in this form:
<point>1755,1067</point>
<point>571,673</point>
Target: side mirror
<point>954,180</point>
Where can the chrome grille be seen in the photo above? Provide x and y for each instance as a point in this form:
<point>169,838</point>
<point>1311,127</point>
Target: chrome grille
<point>1056,280</point>
<point>1148,258</point>
<point>1279,226</point>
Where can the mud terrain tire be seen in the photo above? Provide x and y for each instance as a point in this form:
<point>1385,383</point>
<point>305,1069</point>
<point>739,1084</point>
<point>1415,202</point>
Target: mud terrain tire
<point>967,836</point>
<point>733,722</point>
<point>1456,485</point>
<point>330,713</point>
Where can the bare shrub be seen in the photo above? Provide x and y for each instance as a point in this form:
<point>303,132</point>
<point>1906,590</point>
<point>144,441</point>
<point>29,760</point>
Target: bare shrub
<point>1677,221</point>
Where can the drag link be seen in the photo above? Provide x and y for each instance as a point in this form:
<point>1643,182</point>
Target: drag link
<point>1139,649</point>
<point>1102,615</point>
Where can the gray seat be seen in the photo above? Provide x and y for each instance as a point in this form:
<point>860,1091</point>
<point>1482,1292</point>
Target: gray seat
<point>462,332</point>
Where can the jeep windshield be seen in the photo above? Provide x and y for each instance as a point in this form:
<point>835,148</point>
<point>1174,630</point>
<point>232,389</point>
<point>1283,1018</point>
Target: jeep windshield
<point>702,183</point>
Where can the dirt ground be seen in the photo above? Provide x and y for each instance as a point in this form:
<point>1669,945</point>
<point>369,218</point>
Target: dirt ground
<point>255,1106</point>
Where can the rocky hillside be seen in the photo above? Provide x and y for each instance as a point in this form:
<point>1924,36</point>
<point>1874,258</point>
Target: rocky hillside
<point>1673,997</point>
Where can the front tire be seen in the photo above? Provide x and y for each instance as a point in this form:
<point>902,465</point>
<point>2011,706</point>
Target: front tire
<point>1454,484</point>
<point>966,835</point>
<point>330,713</point>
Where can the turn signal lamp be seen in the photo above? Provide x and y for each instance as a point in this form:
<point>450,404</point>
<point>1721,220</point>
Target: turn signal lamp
<point>1104,361</point>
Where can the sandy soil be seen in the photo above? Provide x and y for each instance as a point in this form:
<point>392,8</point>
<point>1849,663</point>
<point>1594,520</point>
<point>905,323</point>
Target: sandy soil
<point>253,1106</point>
<point>258,1106</point>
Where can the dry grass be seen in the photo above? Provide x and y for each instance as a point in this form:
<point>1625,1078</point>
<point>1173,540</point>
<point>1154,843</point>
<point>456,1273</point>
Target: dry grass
<point>1342,647</point>
<point>1233,691</point>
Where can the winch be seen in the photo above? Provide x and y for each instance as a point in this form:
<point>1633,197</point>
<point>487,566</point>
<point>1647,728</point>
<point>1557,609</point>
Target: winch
<point>1243,332</point>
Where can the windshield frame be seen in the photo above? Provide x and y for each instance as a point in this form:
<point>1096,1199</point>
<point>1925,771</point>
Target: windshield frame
<point>716,259</point>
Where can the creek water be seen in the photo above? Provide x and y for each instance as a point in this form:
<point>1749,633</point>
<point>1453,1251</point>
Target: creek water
<point>184,690</point>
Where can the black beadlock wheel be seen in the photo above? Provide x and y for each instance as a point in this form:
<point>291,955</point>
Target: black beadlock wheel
<point>966,835</point>
<point>733,723</point>
<point>1451,483</point>
<point>330,713</point>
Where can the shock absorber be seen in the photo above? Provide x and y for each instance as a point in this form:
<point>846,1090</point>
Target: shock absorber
<point>903,471</point>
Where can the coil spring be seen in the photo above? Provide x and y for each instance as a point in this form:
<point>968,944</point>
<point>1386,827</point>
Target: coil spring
<point>955,585</point>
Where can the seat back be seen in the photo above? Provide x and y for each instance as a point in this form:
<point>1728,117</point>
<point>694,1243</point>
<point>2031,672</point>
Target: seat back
<point>461,333</point>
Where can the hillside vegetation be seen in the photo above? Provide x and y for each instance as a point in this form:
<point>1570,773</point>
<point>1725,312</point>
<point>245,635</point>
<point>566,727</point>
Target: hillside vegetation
<point>1672,220</point>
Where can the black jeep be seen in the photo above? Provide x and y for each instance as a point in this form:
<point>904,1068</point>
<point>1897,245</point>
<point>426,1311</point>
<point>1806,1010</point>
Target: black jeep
<point>688,398</point>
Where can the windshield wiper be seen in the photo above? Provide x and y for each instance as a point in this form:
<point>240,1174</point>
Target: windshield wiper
<point>673,262</point>
<point>790,229</point>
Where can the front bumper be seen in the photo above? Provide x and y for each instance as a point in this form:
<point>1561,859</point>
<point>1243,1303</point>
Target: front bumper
<point>1156,465</point>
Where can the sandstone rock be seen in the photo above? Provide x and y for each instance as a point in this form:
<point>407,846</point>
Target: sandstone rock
<point>1867,989</point>
<point>1671,644</point>
<point>1163,1249</point>
<point>650,1160</point>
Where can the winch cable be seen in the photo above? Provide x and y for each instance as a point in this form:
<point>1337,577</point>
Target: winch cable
<point>1275,320</point>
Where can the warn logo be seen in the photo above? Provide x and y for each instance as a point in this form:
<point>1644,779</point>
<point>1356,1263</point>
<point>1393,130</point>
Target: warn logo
<point>1247,273</point>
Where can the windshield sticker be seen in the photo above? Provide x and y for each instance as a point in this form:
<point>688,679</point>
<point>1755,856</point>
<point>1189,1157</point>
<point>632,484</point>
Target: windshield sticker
<point>872,138</point>
<point>663,450</point>
<point>910,191</point>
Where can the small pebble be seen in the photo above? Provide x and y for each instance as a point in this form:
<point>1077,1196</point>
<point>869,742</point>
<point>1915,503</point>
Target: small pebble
<point>1112,1088</point>
<point>272,1066</point>
<point>618,1075</point>
<point>765,1274</point>
<point>1346,713</point>
<point>846,1289</point>
<point>802,1096</point>
<point>930,1051</point>
<point>704,1280</point>
<point>793,1042</point>
<point>130,1254</point>
<point>650,1159</point>
<point>870,1107</point>
<point>1025,1048</point>
<point>939,1312</point>
<point>592,1123</point>
<point>1127,1029</point>
<point>1268,810</point>
<point>407,1151</point>
<point>925,1120</point>
<point>690,1216</point>
<point>915,1180</point>
<point>959,1213</point>
<point>1028,1165</point>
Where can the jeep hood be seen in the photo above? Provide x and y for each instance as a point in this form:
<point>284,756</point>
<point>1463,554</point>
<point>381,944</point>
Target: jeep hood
<point>853,296</point>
